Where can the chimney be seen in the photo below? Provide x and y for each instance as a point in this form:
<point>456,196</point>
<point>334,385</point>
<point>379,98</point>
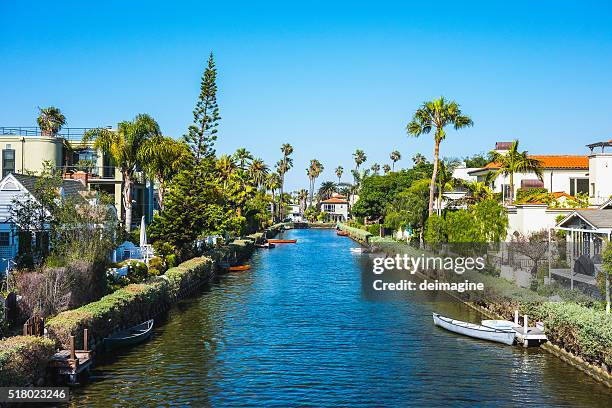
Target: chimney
<point>82,176</point>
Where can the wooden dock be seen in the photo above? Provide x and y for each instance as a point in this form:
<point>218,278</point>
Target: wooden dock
<point>69,364</point>
<point>528,336</point>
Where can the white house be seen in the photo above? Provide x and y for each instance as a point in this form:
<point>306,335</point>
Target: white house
<point>336,208</point>
<point>295,213</point>
<point>18,187</point>
<point>600,173</point>
<point>561,173</point>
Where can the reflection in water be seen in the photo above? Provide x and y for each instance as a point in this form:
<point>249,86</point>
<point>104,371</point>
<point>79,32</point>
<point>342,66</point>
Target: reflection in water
<point>299,328</point>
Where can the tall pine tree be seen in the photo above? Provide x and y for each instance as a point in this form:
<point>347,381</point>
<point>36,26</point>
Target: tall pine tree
<point>203,133</point>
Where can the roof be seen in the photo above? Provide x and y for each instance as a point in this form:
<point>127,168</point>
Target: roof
<point>335,200</point>
<point>72,188</point>
<point>597,218</point>
<point>555,162</point>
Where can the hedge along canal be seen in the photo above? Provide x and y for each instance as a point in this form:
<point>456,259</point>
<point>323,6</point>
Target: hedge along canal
<point>23,359</point>
<point>300,327</point>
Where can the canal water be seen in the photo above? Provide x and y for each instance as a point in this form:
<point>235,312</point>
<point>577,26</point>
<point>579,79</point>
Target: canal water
<point>299,329</point>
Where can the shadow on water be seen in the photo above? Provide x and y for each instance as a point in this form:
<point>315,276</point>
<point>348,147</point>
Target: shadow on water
<point>301,327</point>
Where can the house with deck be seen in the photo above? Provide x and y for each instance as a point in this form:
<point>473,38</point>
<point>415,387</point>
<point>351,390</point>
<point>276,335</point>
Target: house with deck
<point>26,149</point>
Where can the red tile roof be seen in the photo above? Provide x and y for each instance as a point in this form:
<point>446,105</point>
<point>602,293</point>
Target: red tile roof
<point>334,201</point>
<point>556,162</point>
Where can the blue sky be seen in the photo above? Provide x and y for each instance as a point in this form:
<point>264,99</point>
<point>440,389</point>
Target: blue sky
<point>328,77</point>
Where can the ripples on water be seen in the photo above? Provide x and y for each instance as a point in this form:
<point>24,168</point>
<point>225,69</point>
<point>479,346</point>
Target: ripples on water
<point>298,329</point>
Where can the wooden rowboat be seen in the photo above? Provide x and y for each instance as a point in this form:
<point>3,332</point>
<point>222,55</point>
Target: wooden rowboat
<point>500,335</point>
<point>342,233</point>
<point>239,268</point>
<point>128,337</point>
<point>282,241</point>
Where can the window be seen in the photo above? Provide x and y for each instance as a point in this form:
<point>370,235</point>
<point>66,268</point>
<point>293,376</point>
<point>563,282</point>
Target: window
<point>592,189</point>
<point>579,185</point>
<point>5,239</point>
<point>8,161</point>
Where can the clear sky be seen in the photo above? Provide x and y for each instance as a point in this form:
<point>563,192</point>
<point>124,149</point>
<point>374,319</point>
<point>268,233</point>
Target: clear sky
<point>328,77</point>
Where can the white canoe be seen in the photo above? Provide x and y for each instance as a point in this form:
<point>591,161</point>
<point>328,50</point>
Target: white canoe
<point>499,324</point>
<point>505,335</point>
<point>357,250</point>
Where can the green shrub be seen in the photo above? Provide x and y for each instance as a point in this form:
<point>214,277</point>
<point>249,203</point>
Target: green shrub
<point>23,359</point>
<point>137,271</point>
<point>525,194</point>
<point>374,229</point>
<point>127,306</point>
<point>356,233</point>
<point>156,266</point>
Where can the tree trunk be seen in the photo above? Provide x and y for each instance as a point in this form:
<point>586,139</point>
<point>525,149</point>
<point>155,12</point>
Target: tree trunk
<point>280,198</point>
<point>432,185</point>
<point>511,188</point>
<point>161,191</point>
<point>127,201</point>
<point>273,206</point>
<point>393,166</point>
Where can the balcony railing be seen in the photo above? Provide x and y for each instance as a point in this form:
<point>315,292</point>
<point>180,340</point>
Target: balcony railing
<point>100,172</point>
<point>72,134</point>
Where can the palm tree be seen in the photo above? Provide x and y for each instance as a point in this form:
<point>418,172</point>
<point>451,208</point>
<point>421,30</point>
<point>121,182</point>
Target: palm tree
<point>375,168</point>
<point>419,158</point>
<point>437,114</point>
<point>445,180</point>
<point>273,183</point>
<point>123,146</point>
<point>314,170</point>
<point>479,191</point>
<point>360,158</point>
<point>514,161</point>
<point>226,166</point>
<point>326,189</point>
<point>258,170</point>
<point>162,158</point>
<point>302,196</point>
<point>50,120</point>
<point>395,156</point>
<point>284,166</point>
<point>339,171</point>
<point>242,157</point>
<point>386,168</point>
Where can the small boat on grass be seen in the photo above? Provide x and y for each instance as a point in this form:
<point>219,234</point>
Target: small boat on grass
<point>342,233</point>
<point>239,268</point>
<point>128,337</point>
<point>282,241</point>
<point>505,334</point>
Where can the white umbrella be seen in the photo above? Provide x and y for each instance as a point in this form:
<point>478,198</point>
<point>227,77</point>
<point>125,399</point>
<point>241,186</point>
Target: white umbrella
<point>143,233</point>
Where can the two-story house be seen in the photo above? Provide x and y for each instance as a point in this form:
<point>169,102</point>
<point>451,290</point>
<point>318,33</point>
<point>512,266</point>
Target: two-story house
<point>25,149</point>
<point>335,208</point>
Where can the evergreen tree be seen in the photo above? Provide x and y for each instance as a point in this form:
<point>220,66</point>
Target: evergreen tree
<point>203,133</point>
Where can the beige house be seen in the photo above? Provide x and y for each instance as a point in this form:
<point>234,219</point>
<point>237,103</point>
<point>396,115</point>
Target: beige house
<point>25,150</point>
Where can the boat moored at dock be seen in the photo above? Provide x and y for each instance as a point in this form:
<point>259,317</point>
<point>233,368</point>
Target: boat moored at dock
<point>499,335</point>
